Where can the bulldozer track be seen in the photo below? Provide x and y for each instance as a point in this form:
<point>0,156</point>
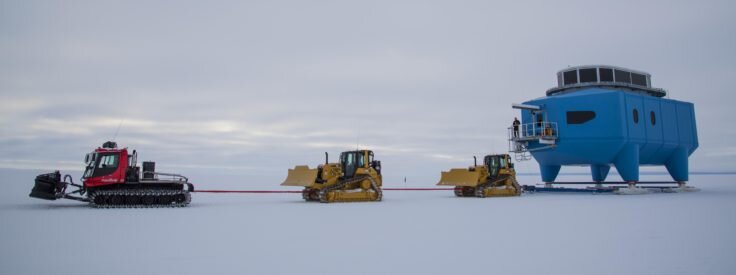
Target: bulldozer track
<point>307,194</point>
<point>139,198</point>
<point>323,193</point>
<point>480,190</point>
<point>461,191</point>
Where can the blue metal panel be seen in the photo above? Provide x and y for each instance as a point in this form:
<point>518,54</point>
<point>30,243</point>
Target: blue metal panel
<point>603,103</point>
<point>685,124</point>
<point>637,133</point>
<point>694,130</point>
<point>653,127</point>
<point>669,123</point>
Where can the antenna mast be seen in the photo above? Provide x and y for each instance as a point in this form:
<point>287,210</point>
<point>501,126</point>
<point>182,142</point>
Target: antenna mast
<point>357,142</point>
<point>118,130</point>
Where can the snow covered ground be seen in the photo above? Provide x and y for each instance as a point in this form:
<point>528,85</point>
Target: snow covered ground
<point>420,232</point>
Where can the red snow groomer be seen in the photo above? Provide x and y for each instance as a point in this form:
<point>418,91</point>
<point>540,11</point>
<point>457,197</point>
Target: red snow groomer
<point>112,179</point>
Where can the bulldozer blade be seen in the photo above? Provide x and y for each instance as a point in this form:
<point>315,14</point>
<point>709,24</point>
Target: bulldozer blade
<point>460,177</point>
<point>300,176</point>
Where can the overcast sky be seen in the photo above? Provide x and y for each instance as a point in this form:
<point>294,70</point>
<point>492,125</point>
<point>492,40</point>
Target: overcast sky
<point>251,88</point>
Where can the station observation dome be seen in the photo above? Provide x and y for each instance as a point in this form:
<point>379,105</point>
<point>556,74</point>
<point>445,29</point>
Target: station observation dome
<point>575,78</point>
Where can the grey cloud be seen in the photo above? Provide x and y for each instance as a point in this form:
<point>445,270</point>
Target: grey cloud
<point>271,84</point>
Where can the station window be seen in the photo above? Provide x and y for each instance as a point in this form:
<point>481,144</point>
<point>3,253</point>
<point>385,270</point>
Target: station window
<point>571,77</point>
<point>652,118</point>
<point>540,120</point>
<point>639,79</point>
<point>606,74</point>
<point>636,116</point>
<point>579,117</point>
<point>588,75</point>
<point>623,76</point>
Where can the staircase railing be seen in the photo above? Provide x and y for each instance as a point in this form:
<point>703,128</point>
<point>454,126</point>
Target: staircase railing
<point>520,136</point>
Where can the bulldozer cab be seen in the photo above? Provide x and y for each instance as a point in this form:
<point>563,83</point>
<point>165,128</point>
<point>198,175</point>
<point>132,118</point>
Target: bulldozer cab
<point>351,161</point>
<point>495,163</point>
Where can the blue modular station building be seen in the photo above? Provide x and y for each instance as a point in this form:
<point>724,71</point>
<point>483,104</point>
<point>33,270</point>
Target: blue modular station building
<point>604,116</point>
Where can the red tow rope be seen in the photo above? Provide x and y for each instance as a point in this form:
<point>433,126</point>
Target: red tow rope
<point>285,191</point>
<point>246,191</point>
<point>418,189</point>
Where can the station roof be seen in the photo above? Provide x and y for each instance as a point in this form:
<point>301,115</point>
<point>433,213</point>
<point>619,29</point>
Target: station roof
<point>575,78</point>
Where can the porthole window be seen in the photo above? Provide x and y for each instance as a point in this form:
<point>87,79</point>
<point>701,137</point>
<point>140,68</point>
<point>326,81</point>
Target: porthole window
<point>579,117</point>
<point>653,118</point>
<point>636,116</point>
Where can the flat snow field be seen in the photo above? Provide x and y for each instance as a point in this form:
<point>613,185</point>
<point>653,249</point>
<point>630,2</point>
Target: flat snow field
<point>410,232</point>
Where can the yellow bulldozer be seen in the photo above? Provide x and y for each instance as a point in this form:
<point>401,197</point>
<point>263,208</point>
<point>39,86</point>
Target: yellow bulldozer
<point>495,178</point>
<point>357,177</point>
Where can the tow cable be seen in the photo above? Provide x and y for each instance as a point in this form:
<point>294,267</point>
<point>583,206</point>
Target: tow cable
<point>285,191</point>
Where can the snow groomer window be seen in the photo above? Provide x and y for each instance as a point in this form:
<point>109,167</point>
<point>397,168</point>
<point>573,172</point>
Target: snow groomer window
<point>109,161</point>
<point>579,117</point>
